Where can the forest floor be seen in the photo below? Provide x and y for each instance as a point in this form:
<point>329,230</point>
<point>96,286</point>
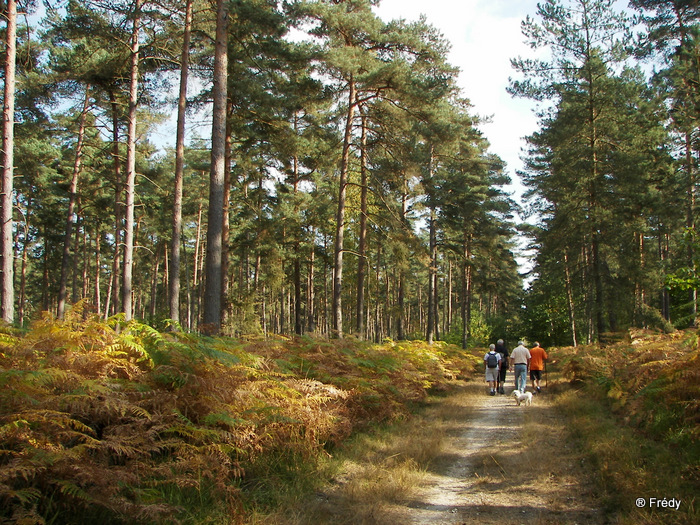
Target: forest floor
<point>496,463</point>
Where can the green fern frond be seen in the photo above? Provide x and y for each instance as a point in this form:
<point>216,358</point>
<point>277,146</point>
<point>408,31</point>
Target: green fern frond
<point>225,419</point>
<point>119,349</point>
<point>117,321</point>
<point>78,426</point>
<point>74,491</point>
<point>221,356</point>
<point>27,496</point>
<point>48,377</point>
<point>147,333</point>
<point>193,433</point>
<point>136,338</point>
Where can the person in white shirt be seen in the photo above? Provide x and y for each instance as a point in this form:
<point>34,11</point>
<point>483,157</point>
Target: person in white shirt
<point>520,360</point>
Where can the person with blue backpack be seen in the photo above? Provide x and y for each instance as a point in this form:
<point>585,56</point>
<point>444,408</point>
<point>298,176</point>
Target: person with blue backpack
<point>492,360</point>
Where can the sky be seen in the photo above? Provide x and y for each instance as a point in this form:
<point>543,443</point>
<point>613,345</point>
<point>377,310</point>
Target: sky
<point>485,35</point>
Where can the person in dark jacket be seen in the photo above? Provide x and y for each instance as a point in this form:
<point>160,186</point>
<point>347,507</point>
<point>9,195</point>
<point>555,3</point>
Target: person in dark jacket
<point>503,350</point>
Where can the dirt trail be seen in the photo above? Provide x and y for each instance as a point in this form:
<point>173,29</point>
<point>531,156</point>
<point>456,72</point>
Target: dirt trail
<point>496,469</point>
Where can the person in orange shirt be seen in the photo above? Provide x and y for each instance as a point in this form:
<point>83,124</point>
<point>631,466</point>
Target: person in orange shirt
<point>539,356</point>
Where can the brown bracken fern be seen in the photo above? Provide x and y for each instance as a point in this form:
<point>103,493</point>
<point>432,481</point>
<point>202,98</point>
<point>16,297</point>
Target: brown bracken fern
<point>116,422</point>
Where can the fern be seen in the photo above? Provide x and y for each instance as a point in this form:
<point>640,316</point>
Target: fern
<point>7,340</point>
<point>53,378</point>
<point>26,496</point>
<point>171,376</point>
<point>24,470</point>
<point>68,488</point>
<point>225,419</point>
<point>104,411</point>
<point>121,447</point>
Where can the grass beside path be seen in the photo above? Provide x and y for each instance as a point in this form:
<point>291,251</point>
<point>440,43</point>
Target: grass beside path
<point>464,457</point>
<point>372,471</point>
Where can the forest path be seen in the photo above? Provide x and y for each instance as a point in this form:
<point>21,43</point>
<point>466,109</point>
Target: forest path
<point>503,464</point>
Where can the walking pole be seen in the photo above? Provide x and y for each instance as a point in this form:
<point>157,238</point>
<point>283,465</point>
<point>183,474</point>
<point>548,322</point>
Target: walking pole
<point>546,376</point>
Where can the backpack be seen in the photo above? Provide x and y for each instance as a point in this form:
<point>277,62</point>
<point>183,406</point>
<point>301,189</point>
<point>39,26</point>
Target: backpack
<point>492,360</point>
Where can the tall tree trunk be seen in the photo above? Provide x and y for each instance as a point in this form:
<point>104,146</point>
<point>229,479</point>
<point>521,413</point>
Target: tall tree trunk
<point>401,300</point>
<point>325,321</point>
<point>298,314</point>
<point>362,248</point>
<point>690,217</point>
<point>72,198</point>
<point>298,322</point>
<point>665,298</point>
<point>98,265</point>
<point>175,245</point>
<point>84,292</point>
<point>466,288</point>
<point>225,219</point>
<point>387,299</point>
<point>432,270</point>
<point>45,284</point>
<point>166,273</point>
<point>310,294</point>
<point>195,272</point>
<point>213,284</point>
<point>570,298</point>
<point>377,302</point>
<point>25,262</point>
<point>402,317</point>
<point>153,304</point>
<point>113,286</point>
<point>130,188</point>
<point>448,316</point>
<point>337,309</point>
<point>74,284</point>
<point>7,291</point>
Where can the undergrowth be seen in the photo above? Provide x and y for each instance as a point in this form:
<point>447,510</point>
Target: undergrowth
<point>371,472</point>
<point>634,410</point>
<point>113,421</point>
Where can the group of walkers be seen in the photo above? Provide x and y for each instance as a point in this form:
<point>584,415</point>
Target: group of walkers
<point>522,360</point>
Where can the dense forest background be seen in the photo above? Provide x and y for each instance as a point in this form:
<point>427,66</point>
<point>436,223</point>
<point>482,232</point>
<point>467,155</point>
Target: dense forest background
<point>340,184</point>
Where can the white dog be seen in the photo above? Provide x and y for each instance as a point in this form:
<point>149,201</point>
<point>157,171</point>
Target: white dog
<point>522,396</point>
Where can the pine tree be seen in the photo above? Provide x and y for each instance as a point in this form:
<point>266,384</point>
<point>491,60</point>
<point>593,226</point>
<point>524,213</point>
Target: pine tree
<point>585,38</point>
<point>7,295</point>
<point>673,33</point>
<point>214,278</point>
<point>176,241</point>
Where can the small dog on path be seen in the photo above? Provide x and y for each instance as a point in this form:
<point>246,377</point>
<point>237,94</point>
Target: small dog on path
<point>521,397</point>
